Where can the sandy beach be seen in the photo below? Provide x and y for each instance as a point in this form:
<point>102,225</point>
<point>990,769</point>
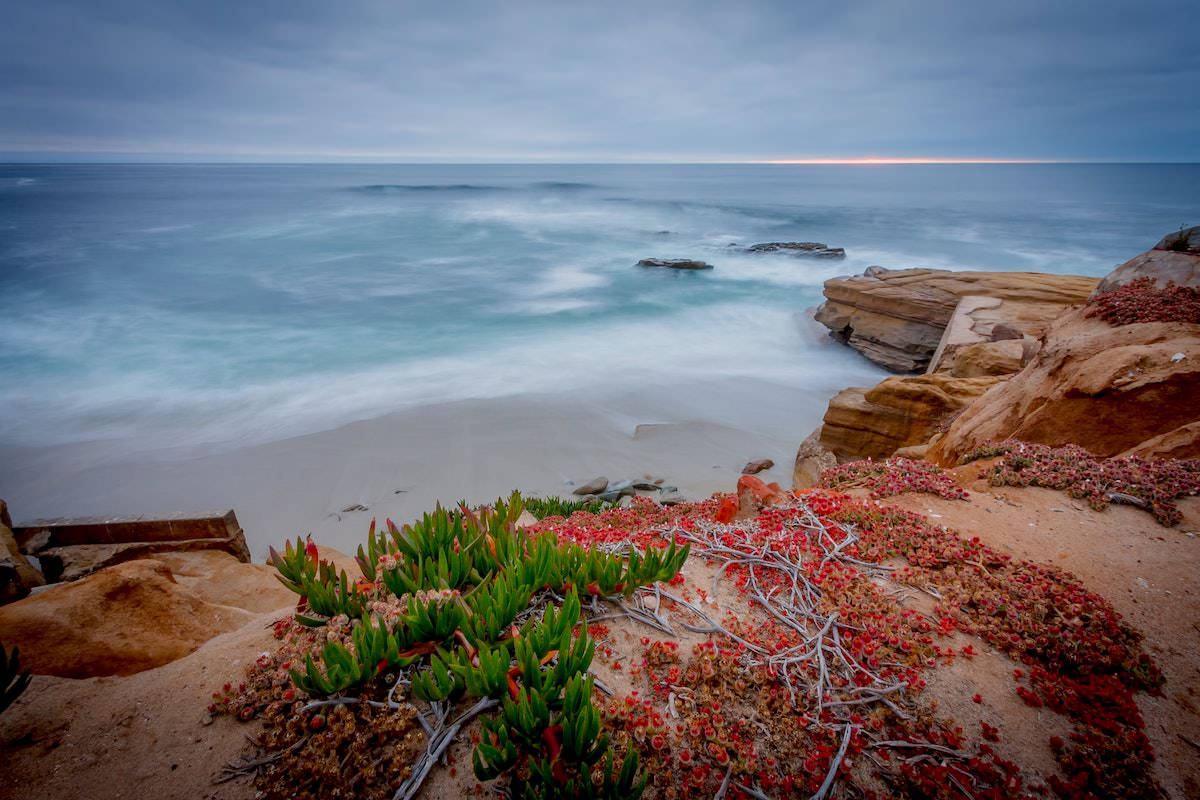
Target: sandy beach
<point>400,464</point>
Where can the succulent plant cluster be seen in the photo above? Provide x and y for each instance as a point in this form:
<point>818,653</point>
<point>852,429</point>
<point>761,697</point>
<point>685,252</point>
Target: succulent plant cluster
<point>1141,300</point>
<point>1153,484</point>
<point>449,604</point>
<point>892,477</point>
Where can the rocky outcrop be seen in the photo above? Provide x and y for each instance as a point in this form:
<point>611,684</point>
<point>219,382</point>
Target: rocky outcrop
<point>812,249</point>
<point>811,460</point>
<point>898,412</point>
<point>17,576</point>
<point>993,358</point>
<point>1107,388</point>
<point>897,318</point>
<point>70,549</point>
<point>1175,259</point>
<point>674,263</point>
<point>757,466</point>
<point>118,621</point>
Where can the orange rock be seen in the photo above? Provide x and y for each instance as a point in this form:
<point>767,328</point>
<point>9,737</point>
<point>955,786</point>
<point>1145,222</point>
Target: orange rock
<point>727,510</point>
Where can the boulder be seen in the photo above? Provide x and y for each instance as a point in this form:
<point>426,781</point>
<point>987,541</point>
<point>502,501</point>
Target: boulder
<point>1106,388</point>
<point>1175,259</point>
<point>118,621</point>
<point>812,249</point>
<point>897,318</point>
<point>753,494</point>
<point>898,412</point>
<point>674,263</point>
<point>757,466</point>
<point>17,576</point>
<point>594,486</point>
<point>811,460</point>
<point>1002,357</point>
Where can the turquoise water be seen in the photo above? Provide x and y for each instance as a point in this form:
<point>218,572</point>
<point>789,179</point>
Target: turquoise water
<point>215,303</point>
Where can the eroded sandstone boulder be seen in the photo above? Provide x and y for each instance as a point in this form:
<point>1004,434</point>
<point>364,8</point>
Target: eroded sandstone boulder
<point>811,460</point>
<point>118,621</point>
<point>897,318</point>
<point>898,412</point>
<point>1107,388</point>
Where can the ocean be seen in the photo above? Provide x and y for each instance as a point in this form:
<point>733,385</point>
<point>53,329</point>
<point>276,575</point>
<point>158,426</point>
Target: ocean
<point>154,306</point>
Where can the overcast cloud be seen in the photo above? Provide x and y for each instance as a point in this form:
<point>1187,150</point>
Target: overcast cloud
<point>677,81</point>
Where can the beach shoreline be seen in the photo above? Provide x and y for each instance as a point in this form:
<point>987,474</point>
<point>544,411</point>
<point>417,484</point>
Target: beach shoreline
<point>696,436</point>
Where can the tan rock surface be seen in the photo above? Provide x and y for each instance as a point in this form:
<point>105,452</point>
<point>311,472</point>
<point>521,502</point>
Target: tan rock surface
<point>121,620</point>
<point>1105,388</point>
<point>990,358</point>
<point>898,412</point>
<point>896,318</point>
<point>811,460</point>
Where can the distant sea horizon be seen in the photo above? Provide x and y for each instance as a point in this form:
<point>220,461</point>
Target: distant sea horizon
<point>154,305</point>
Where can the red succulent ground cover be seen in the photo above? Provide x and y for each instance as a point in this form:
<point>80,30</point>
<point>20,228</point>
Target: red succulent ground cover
<point>820,684</point>
<point>892,477</point>
<point>1141,300</point>
<point>736,713</point>
<point>1153,484</point>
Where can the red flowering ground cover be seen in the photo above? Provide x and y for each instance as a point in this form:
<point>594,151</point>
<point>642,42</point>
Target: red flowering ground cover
<point>1153,484</point>
<point>1141,300</point>
<point>810,684</point>
<point>892,477</point>
<point>774,704</point>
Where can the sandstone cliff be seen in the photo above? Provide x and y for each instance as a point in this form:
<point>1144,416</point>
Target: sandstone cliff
<point>1107,388</point>
<point>896,318</point>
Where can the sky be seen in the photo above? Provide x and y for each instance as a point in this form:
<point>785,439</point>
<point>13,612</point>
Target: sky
<point>507,80</point>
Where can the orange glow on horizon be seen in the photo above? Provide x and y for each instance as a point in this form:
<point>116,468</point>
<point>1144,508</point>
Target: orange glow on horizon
<point>876,161</point>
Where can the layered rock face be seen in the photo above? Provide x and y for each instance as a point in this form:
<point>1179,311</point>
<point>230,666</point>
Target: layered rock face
<point>1110,389</point>
<point>899,412</point>
<point>1175,259</point>
<point>897,318</point>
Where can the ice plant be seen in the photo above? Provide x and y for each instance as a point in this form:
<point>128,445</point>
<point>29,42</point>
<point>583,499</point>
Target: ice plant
<point>1141,300</point>
<point>1152,484</point>
<point>449,603</point>
<point>893,476</point>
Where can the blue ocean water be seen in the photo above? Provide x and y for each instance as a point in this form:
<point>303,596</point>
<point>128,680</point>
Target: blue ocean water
<point>185,304</point>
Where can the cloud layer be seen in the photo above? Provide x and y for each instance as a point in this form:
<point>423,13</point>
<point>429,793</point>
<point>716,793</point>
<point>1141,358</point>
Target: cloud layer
<point>556,81</point>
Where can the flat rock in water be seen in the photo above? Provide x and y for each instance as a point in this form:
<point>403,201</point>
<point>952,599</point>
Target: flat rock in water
<point>674,263</point>
<point>671,499</point>
<point>814,249</point>
<point>594,486</point>
<point>757,466</point>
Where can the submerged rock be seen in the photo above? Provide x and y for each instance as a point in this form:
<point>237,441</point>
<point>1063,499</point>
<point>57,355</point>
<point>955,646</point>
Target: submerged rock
<point>674,263</point>
<point>813,249</point>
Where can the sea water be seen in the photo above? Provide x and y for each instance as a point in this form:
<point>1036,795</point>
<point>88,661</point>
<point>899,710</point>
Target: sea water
<point>167,305</point>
